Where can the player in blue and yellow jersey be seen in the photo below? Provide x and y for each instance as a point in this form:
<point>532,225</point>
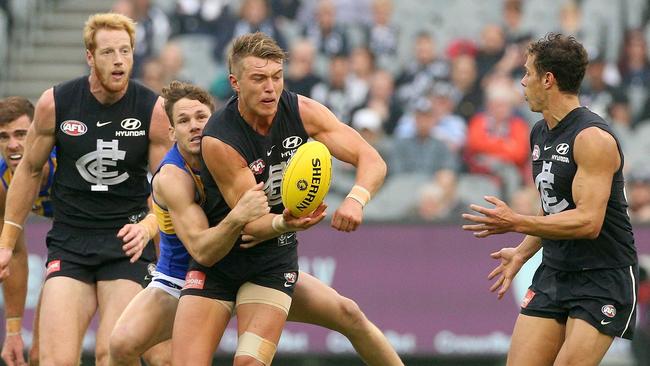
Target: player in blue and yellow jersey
<point>16,114</point>
<point>189,108</point>
<point>177,193</point>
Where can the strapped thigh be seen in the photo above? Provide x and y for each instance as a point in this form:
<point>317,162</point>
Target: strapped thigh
<point>250,293</point>
<point>250,344</point>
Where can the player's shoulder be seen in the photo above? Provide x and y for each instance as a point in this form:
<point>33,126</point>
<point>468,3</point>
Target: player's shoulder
<point>170,175</point>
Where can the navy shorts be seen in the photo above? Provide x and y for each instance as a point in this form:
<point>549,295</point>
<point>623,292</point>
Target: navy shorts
<point>604,298</point>
<point>272,267</point>
<point>92,255</point>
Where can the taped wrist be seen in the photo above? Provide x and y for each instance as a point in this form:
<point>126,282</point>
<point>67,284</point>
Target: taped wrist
<point>359,194</point>
<point>13,325</point>
<point>150,223</point>
<point>10,233</point>
<point>279,225</point>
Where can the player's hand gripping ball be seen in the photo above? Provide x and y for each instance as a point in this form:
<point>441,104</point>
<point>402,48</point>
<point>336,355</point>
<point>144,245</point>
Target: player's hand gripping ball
<point>306,180</point>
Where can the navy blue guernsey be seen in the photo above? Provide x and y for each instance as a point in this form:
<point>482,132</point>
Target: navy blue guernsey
<point>102,152</point>
<point>554,169</point>
<point>266,157</point>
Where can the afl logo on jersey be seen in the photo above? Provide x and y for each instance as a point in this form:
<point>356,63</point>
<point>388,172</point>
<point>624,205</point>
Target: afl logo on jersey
<point>131,124</point>
<point>73,128</point>
<point>257,167</point>
<point>608,310</point>
<point>535,152</point>
<point>292,142</point>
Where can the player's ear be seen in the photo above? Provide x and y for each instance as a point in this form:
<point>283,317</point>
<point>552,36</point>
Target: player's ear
<point>234,84</point>
<point>548,80</point>
<point>172,135</point>
<point>90,59</point>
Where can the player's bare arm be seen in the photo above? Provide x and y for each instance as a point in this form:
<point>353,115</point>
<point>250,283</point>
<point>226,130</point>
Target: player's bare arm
<point>206,245</point>
<point>159,142</point>
<point>14,292</point>
<point>234,178</point>
<point>597,157</point>
<point>136,236</point>
<point>347,145</point>
<point>27,177</point>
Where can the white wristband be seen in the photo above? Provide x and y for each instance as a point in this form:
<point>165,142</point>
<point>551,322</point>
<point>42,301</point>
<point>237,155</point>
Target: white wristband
<point>279,225</point>
<point>359,194</point>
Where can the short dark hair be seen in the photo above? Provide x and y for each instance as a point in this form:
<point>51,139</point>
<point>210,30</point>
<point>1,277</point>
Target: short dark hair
<point>564,57</point>
<point>177,90</point>
<point>255,44</point>
<point>11,108</point>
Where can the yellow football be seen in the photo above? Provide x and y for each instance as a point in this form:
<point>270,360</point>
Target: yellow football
<point>306,180</point>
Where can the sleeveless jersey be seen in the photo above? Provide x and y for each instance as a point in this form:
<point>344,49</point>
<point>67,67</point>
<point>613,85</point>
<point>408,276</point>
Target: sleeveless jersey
<point>553,171</point>
<point>102,150</point>
<point>174,258</point>
<point>266,157</point>
<point>43,204</point>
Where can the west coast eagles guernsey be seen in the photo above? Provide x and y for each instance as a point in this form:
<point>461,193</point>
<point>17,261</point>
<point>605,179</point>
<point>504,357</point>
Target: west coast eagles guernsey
<point>174,258</point>
<point>42,205</point>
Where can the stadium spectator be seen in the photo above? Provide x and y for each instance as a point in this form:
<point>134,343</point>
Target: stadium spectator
<point>254,16</point>
<point>446,126</point>
<point>300,77</point>
<point>367,122</point>
<point>199,16</point>
<point>497,139</point>
<point>337,93</point>
<point>514,27</point>
<point>382,35</point>
<point>381,98</point>
<point>468,96</point>
<point>634,68</point>
<point>329,37</point>
<point>153,76</point>
<point>596,92</point>
<point>638,191</point>
<point>152,29</point>
<point>425,155</point>
<point>491,49</point>
<point>425,69</point>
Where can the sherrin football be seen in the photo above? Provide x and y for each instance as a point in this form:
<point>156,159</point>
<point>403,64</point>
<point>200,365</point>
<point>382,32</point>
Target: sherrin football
<point>306,180</point>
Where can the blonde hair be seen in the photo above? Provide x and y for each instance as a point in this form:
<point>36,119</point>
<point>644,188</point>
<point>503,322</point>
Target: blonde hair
<point>253,44</point>
<point>111,21</point>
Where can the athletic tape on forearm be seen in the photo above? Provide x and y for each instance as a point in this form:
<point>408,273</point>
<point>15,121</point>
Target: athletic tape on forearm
<point>13,325</point>
<point>279,225</point>
<point>359,194</point>
<point>10,233</point>
<point>150,223</point>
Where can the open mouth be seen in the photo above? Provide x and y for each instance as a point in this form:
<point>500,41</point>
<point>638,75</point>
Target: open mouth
<point>268,100</point>
<point>117,74</point>
<point>15,157</point>
<point>196,139</point>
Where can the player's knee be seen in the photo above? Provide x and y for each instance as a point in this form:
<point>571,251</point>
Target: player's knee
<point>354,318</point>
<point>253,350</point>
<point>159,358</point>
<point>121,347</point>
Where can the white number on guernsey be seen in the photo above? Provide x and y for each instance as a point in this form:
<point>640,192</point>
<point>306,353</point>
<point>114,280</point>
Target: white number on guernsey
<point>94,166</point>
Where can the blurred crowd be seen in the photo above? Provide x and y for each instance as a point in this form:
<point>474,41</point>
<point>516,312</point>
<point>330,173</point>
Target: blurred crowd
<point>444,108</point>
